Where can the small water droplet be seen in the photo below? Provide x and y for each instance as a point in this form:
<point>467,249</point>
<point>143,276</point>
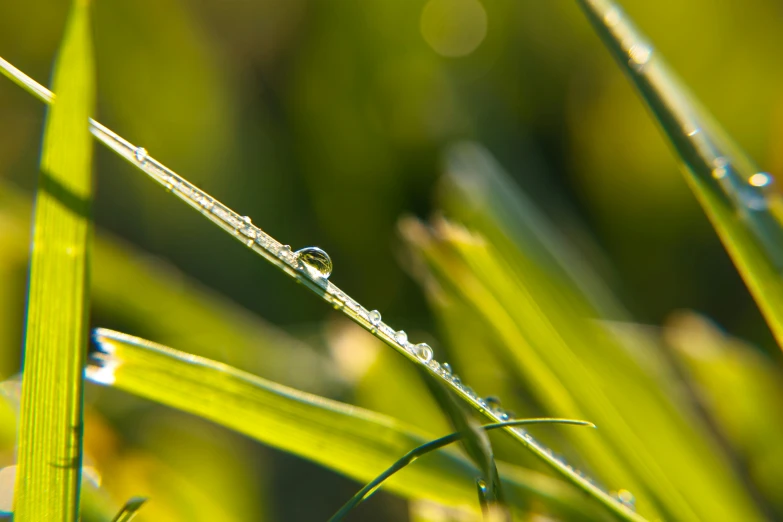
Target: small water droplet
<point>493,401</point>
<point>503,416</point>
<point>375,318</point>
<point>434,365</point>
<point>528,437</point>
<point>639,55</point>
<point>457,381</point>
<point>482,489</point>
<point>141,155</point>
<point>612,17</point>
<point>316,261</point>
<point>760,179</point>
<point>720,168</point>
<point>249,242</point>
<point>401,337</point>
<point>446,368</point>
<point>627,498</point>
<point>424,352</point>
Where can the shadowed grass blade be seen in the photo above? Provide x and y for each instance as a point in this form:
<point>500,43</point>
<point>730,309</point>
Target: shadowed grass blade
<point>130,509</point>
<point>360,442</point>
<point>740,201</point>
<point>47,486</point>
<point>367,491</point>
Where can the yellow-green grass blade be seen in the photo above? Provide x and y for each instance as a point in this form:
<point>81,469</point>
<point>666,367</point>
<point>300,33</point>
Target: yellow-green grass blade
<point>131,288</point>
<point>643,419</point>
<point>740,201</point>
<point>352,441</point>
<point>49,454</point>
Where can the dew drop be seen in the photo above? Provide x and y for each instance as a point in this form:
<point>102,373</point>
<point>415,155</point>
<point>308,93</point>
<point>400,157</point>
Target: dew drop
<point>639,55</point>
<point>316,261</point>
<point>401,337</point>
<point>493,401</point>
<point>141,155</point>
<point>375,318</point>
<point>424,352</point>
<point>627,498</point>
<point>503,416</point>
<point>446,368</point>
<point>760,179</point>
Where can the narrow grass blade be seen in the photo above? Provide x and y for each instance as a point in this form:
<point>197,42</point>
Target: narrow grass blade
<point>740,201</point>
<point>367,491</point>
<point>49,451</point>
<point>360,442</point>
<point>306,267</point>
<point>130,509</point>
<point>472,438</point>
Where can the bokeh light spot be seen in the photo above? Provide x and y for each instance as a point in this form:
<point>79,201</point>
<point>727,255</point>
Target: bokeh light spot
<point>453,27</point>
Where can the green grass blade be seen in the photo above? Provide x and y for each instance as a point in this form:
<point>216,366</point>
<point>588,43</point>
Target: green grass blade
<point>281,256</point>
<point>360,442</point>
<point>372,486</point>
<point>130,509</point>
<point>49,451</point>
<point>739,200</point>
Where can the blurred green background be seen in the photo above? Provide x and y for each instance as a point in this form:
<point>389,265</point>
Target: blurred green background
<point>326,122</point>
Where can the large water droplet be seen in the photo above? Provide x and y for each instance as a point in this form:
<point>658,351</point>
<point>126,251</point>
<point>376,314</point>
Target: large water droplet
<point>375,318</point>
<point>316,261</point>
<point>424,352</point>
<point>401,337</point>
<point>141,155</point>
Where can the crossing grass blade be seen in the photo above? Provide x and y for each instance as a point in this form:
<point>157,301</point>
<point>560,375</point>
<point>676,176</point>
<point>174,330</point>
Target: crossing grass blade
<point>542,324</point>
<point>352,441</point>
<point>416,453</point>
<point>741,202</point>
<point>49,452</point>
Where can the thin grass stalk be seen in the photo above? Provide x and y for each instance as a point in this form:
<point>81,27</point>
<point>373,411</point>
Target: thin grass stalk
<point>311,267</point>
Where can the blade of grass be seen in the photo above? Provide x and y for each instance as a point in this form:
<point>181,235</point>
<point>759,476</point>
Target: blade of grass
<point>360,442</point>
<point>281,256</point>
<point>473,439</point>
<point>371,487</point>
<point>49,452</point>
<point>130,509</point>
<point>739,200</point>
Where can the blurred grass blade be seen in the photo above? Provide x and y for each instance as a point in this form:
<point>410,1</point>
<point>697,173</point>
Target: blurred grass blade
<point>367,491</point>
<point>360,442</point>
<point>472,438</point>
<point>740,201</point>
<point>130,509</point>
<point>51,406</point>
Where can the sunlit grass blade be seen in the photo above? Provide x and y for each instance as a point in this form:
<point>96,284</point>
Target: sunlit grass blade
<point>740,201</point>
<point>130,509</point>
<point>310,276</point>
<point>367,491</point>
<point>523,290</point>
<point>49,452</point>
<point>360,442</point>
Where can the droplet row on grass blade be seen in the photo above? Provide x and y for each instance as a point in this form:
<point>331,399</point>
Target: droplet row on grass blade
<point>283,257</point>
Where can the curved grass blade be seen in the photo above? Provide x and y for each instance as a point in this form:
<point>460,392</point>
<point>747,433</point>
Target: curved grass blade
<point>130,509</point>
<point>360,442</point>
<point>740,201</point>
<point>367,491</point>
<point>50,444</point>
<point>311,276</point>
